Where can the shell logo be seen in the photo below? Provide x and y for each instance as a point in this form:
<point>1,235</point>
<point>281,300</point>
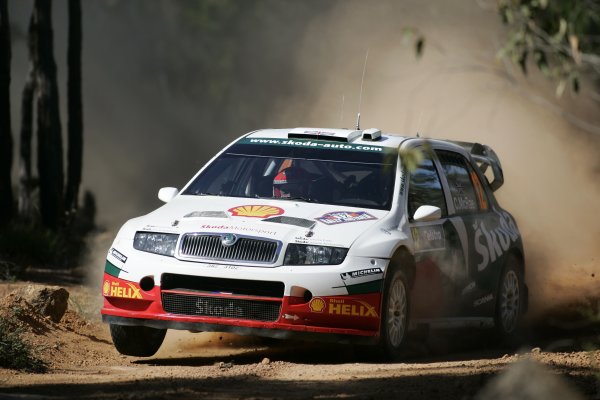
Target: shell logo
<point>317,304</point>
<point>106,288</point>
<point>257,211</point>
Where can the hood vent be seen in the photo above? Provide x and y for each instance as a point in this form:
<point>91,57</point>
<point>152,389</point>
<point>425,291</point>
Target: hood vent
<point>207,214</point>
<point>301,222</point>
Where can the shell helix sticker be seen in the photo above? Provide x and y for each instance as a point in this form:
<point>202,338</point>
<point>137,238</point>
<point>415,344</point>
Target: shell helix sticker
<point>256,211</point>
<point>341,217</point>
<point>317,305</point>
<point>116,289</point>
<point>343,307</point>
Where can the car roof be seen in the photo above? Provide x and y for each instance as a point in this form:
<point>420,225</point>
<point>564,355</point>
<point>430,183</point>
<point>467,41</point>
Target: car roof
<point>353,136</point>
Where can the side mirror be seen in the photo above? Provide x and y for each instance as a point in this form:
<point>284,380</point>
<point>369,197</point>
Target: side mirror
<point>427,213</point>
<point>166,194</point>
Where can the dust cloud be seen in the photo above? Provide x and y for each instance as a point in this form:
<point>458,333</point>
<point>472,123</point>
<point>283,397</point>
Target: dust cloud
<point>460,90</point>
<point>296,66</point>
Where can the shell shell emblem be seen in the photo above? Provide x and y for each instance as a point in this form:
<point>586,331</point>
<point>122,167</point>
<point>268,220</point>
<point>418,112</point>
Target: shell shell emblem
<point>317,304</point>
<point>256,211</point>
<point>106,288</point>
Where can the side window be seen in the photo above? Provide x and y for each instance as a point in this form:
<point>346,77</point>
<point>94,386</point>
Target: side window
<point>461,178</point>
<point>425,188</point>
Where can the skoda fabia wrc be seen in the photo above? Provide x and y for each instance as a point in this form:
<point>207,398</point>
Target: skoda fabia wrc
<point>323,234</point>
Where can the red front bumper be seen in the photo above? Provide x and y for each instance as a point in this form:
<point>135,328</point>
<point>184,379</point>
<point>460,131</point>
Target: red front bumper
<point>353,316</point>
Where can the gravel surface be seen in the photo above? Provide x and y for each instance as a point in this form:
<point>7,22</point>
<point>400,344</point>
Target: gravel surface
<point>451,365</point>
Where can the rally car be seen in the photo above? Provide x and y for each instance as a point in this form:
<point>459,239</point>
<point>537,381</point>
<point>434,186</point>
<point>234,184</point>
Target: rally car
<point>326,234</point>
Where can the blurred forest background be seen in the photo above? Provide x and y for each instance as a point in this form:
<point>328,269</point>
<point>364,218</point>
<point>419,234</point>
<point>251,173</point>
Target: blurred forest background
<point>166,84</point>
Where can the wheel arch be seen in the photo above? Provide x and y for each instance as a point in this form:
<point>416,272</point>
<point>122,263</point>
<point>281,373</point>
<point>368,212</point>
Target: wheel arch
<point>404,259</point>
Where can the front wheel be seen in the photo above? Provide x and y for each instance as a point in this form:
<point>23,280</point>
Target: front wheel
<point>394,320</point>
<point>139,341</point>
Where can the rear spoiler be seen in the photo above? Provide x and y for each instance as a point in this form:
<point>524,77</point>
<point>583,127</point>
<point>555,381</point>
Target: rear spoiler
<point>485,157</point>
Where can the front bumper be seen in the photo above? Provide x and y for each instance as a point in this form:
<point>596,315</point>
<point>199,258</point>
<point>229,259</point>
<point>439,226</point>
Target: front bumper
<point>341,318</point>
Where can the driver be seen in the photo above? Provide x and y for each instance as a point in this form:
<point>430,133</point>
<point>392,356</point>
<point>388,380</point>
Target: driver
<point>291,182</point>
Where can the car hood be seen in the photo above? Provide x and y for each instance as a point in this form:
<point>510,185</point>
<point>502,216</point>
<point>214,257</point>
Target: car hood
<point>284,220</point>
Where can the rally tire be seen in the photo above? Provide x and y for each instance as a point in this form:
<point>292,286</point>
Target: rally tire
<point>138,341</point>
<point>394,314</point>
<point>394,320</point>
<point>511,302</point>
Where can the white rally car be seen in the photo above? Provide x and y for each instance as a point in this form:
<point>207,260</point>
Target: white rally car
<point>327,234</point>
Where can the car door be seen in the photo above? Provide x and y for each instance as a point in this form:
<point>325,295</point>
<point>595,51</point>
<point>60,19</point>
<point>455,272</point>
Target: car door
<point>439,257</point>
<point>469,212</point>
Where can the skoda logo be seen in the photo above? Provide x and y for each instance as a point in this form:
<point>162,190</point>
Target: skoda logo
<point>228,239</point>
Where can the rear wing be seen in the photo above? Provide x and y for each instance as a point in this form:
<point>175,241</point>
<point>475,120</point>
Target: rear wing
<point>485,158</point>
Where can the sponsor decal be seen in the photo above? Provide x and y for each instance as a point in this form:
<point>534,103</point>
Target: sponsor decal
<point>469,288</point>
<point>126,291</point>
<point>317,305</point>
<point>355,308</point>
<point>341,217</point>
<point>116,254</point>
<point>316,242</point>
<point>462,201</point>
<point>255,211</point>
<point>239,228</point>
<point>361,273</point>
<point>320,144</point>
<point>429,238</point>
<point>222,266</point>
<point>492,243</point>
<point>483,300</point>
<point>402,183</point>
<point>205,306</point>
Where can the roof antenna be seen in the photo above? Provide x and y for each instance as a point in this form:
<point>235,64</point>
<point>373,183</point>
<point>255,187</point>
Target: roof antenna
<point>342,112</point>
<point>361,90</point>
<point>419,124</point>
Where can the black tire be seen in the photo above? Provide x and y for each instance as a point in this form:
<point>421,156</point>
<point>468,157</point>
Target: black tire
<point>139,341</point>
<point>394,320</point>
<point>511,300</point>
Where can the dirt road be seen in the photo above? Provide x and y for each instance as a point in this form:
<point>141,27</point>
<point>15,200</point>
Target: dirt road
<point>83,364</point>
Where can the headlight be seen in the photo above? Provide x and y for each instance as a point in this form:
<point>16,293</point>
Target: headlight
<point>302,254</point>
<point>158,243</point>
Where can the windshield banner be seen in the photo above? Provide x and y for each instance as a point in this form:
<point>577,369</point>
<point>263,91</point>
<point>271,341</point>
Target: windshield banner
<point>320,144</point>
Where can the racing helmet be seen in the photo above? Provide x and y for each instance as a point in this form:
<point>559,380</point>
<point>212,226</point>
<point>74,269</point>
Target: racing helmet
<point>291,182</point>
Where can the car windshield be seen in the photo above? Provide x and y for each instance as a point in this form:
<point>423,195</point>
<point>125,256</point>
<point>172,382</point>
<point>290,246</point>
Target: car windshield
<point>339,173</point>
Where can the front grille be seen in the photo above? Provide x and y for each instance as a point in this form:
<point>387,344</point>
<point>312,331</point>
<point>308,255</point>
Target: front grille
<point>254,310</point>
<point>246,249</point>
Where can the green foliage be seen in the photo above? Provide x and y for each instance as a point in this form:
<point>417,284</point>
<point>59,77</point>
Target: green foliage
<point>14,352</point>
<point>561,37</point>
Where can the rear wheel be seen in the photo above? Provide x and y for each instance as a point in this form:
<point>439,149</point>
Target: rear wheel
<point>510,303</point>
<point>139,341</point>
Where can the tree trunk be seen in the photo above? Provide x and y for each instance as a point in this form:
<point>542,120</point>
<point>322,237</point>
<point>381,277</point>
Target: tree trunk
<point>75,108</point>
<point>50,154</point>
<point>6,194</point>
<point>25,181</point>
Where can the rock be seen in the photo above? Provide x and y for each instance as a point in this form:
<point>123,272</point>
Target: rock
<point>536,350</point>
<point>224,365</point>
<point>528,380</point>
<point>265,361</point>
<point>48,301</point>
